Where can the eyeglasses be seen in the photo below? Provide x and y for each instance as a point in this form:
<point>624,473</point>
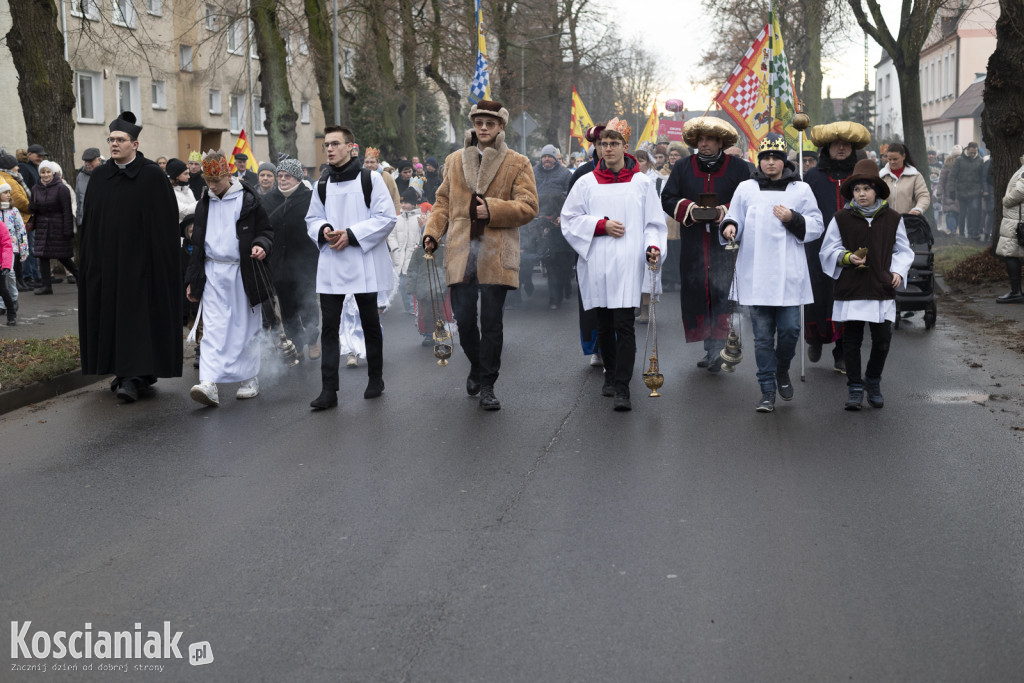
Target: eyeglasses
<point>118,141</point>
<point>335,143</point>
<point>609,145</point>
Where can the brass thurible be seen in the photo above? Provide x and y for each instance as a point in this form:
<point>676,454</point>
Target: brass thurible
<point>653,379</point>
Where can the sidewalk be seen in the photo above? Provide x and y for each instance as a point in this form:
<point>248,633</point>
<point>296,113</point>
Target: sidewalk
<point>45,316</point>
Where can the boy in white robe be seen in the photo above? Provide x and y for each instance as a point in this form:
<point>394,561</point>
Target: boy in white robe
<point>613,219</point>
<point>866,283</point>
<point>231,237</point>
<point>772,215</point>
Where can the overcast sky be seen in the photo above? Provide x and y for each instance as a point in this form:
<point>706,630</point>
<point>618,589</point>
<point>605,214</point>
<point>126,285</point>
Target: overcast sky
<point>678,31</point>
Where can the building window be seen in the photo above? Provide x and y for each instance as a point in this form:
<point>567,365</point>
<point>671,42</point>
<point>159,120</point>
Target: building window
<point>154,7</point>
<point>128,95</point>
<point>888,86</point>
<point>159,92</point>
<point>210,21</point>
<point>236,38</point>
<point>90,97</point>
<point>85,8</point>
<point>124,13</point>
<point>185,57</point>
<point>235,112</point>
<point>215,106</point>
<point>304,112</point>
<point>259,123</point>
<point>348,69</point>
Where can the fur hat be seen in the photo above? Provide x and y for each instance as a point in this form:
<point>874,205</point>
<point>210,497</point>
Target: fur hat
<point>489,108</point>
<point>125,123</point>
<point>840,131</point>
<point>52,165</point>
<point>866,171</point>
<point>679,147</point>
<point>710,125</point>
<point>292,167</point>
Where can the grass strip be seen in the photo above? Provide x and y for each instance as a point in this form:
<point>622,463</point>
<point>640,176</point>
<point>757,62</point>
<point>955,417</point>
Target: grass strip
<point>24,361</point>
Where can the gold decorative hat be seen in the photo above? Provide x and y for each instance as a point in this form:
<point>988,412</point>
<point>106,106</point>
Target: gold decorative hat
<point>195,155</point>
<point>215,165</point>
<point>840,131</point>
<point>371,153</point>
<point>621,127</point>
<point>710,125</point>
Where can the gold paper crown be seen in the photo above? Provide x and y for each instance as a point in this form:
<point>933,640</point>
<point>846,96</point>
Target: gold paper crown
<point>215,165</point>
<point>194,155</point>
<point>371,153</point>
<point>773,142</point>
<point>621,127</point>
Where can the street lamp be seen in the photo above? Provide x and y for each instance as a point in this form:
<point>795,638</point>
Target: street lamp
<point>522,82</point>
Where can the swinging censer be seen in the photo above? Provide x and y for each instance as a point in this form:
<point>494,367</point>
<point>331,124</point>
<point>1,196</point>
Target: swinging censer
<point>653,379</point>
<point>732,354</point>
<point>289,354</point>
<point>442,332</point>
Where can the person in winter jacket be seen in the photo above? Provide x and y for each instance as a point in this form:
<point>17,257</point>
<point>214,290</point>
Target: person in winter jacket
<point>54,222</point>
<point>908,192</point>
<point>967,185</point>
<point>90,160</point>
<point>6,265</point>
<point>1011,235</point>
<point>177,173</point>
<point>403,240</point>
<point>11,217</point>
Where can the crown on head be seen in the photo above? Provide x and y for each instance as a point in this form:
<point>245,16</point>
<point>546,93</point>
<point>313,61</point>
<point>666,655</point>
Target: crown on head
<point>215,165</point>
<point>371,153</point>
<point>621,127</point>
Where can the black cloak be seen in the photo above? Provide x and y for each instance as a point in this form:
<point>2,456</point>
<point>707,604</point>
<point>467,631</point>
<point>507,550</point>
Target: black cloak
<point>129,291</point>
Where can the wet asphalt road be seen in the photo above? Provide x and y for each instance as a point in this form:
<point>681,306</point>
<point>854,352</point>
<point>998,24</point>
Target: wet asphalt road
<point>418,538</point>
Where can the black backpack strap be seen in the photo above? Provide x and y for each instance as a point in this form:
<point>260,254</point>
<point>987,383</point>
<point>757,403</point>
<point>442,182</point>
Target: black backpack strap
<point>321,187</point>
<point>367,180</point>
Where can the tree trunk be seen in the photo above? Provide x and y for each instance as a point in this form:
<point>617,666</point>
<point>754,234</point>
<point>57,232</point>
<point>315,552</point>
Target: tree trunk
<point>380,50</point>
<point>1002,120</point>
<point>433,72</point>
<point>407,91</point>
<point>913,118</point>
<point>811,90</point>
<point>275,95</point>
<point>321,43</point>
<point>45,80</point>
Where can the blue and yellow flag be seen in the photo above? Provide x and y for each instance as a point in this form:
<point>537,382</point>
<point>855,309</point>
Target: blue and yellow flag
<point>480,88</point>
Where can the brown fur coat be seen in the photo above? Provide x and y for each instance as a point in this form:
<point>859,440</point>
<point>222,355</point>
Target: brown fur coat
<point>505,180</point>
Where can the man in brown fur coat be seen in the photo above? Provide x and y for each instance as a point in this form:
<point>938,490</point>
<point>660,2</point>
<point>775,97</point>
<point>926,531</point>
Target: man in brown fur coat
<point>487,193</point>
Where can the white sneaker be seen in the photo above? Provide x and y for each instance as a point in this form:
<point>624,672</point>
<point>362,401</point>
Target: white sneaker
<point>596,361</point>
<point>206,393</point>
<point>250,388</point>
<point>353,360</point>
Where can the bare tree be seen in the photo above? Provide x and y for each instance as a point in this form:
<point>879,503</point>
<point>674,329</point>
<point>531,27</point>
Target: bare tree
<point>275,94</point>
<point>1002,120</point>
<point>44,78</point>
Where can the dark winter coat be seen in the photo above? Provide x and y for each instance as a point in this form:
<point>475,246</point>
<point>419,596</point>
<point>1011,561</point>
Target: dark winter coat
<point>54,222</point>
<point>129,282</point>
<point>968,180</point>
<point>295,256</point>
<point>81,187</point>
<point>431,181</point>
<point>252,229</point>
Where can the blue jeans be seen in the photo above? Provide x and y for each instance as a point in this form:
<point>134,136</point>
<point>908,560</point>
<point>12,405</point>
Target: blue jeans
<point>771,357</point>
<point>30,267</point>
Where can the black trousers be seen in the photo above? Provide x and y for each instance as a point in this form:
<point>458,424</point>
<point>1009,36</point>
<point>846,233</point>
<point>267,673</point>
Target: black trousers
<point>559,266</point>
<point>330,307</point>
<point>481,344</point>
<point>44,269</point>
<point>853,337</point>
<point>299,311</point>
<point>616,335</point>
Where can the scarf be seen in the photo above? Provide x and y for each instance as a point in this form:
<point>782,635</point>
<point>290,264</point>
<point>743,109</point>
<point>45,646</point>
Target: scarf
<point>708,162</point>
<point>349,171</point>
<point>867,211</point>
<point>289,193</point>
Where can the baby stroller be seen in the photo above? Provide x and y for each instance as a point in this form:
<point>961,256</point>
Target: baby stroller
<point>920,292</point>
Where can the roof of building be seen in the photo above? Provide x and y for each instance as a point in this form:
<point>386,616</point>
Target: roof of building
<point>969,104</point>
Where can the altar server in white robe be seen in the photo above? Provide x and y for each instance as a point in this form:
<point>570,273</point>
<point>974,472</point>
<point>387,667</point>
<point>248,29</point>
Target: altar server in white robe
<point>227,273</point>
<point>772,215</point>
<point>613,219</point>
<point>351,231</point>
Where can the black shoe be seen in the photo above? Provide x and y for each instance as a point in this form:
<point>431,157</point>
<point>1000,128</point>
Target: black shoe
<point>608,388</point>
<point>11,322</point>
<point>814,352</point>
<point>427,341</point>
<point>622,403</point>
<point>46,289</point>
<point>715,364</point>
<point>56,280</point>
<point>23,286</point>
<point>128,390</point>
<point>1010,298</point>
<point>873,387</point>
<point>472,385</point>
<point>374,388</point>
<point>705,361</point>
<point>72,280</point>
<point>855,398</point>
<point>328,398</point>
<point>767,402</point>
<point>785,385</point>
<point>839,365</point>
<point>488,401</point>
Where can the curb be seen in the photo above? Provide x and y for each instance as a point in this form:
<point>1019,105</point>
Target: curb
<point>47,389</point>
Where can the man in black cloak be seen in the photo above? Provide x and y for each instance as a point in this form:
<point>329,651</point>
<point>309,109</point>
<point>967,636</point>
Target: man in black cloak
<point>697,194</point>
<point>129,292</point>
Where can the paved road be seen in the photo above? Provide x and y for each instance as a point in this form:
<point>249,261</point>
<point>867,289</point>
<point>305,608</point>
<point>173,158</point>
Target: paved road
<point>417,538</point>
